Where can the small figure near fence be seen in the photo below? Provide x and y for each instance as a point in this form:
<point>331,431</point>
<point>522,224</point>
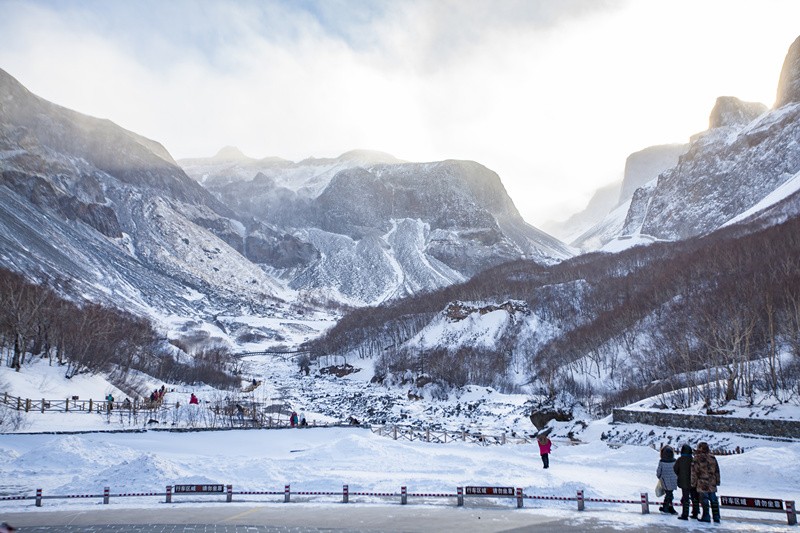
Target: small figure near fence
<point>665,472</point>
<point>293,420</point>
<point>157,395</point>
<point>303,422</point>
<point>110,400</point>
<point>126,404</point>
<point>353,421</point>
<point>683,469</point>
<point>545,445</point>
<point>705,476</point>
<point>193,400</point>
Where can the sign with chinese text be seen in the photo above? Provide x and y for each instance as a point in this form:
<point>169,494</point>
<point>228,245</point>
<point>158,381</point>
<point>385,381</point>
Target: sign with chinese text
<point>489,491</point>
<point>199,488</point>
<point>767,504</point>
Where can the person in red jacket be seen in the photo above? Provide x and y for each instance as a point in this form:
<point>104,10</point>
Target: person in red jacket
<point>193,400</point>
<point>544,449</point>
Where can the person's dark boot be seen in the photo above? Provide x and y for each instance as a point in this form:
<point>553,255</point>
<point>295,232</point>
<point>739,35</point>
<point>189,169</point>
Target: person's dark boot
<point>684,511</point>
<point>715,512</point>
<point>706,517</point>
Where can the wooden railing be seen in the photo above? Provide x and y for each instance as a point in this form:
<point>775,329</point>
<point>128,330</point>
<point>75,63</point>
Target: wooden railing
<point>411,434</point>
<point>74,404</point>
<point>225,414</point>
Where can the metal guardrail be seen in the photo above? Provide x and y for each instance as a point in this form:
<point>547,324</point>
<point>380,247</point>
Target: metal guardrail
<point>459,495</point>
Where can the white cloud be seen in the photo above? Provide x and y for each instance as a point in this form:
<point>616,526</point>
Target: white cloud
<point>551,95</point>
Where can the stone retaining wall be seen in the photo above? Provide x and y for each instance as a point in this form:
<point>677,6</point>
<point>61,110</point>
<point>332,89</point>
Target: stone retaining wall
<point>755,426</point>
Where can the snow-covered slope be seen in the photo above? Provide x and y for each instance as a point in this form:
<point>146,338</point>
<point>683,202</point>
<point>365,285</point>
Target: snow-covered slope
<point>85,200</point>
<point>380,228</point>
<point>726,172</point>
<point>738,167</point>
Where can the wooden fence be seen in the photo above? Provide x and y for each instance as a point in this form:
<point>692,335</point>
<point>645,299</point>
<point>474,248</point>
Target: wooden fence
<point>254,415</point>
<point>216,414</point>
<point>442,436</point>
<point>69,405</point>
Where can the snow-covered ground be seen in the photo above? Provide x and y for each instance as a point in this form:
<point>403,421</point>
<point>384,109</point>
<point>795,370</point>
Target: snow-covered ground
<point>323,459</point>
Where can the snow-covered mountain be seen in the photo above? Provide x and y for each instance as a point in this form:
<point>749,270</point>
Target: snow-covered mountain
<point>84,200</point>
<point>379,228</point>
<point>745,163</point>
<point>603,217</point>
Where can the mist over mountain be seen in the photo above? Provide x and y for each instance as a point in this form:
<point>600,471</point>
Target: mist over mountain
<point>745,162</point>
<point>111,215</point>
<point>716,286</point>
<point>599,222</point>
<point>380,228</point>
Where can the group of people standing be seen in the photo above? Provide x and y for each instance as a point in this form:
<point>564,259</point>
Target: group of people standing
<point>296,420</point>
<point>158,394</point>
<point>696,472</point>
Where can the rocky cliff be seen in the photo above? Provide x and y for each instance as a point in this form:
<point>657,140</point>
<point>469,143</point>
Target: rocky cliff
<point>85,200</point>
<point>380,227</point>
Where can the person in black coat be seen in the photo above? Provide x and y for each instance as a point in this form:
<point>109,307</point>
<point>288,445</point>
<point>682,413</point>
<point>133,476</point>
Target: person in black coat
<point>683,468</point>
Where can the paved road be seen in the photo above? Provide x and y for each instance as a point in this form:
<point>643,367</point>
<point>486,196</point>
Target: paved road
<point>317,519</point>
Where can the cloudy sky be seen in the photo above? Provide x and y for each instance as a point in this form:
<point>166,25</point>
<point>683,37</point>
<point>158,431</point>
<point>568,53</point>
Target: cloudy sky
<point>551,94</point>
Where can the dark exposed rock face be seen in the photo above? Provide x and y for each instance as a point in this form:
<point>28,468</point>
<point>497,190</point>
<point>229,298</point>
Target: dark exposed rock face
<point>456,311</point>
<point>730,111</point>
<point>100,217</point>
<point>789,82</point>
<point>279,250</point>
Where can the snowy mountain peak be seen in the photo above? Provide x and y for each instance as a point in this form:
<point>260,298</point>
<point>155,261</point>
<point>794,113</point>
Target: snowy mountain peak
<point>369,157</point>
<point>730,111</point>
<point>789,82</point>
<point>231,153</point>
